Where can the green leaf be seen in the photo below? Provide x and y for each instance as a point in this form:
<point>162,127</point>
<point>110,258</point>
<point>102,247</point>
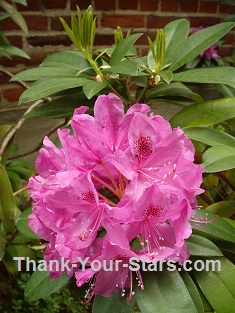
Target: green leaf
<point>125,68</point>
<point>219,286</point>
<point>216,75</point>
<point>15,15</point>
<point>7,202</point>
<point>91,88</point>
<point>173,89</point>
<point>61,107</point>
<point>70,33</point>
<point>218,158</point>
<point>4,129</point>
<point>165,291</point>
<point>122,49</point>
<point>205,113</point>
<point>66,59</point>
<point>222,208</point>
<point>2,247</point>
<point>209,136</point>
<point>49,87</point>
<point>201,246</point>
<point>193,291</point>
<point>197,43</point>
<point>7,151</point>
<point>44,73</point>
<point>22,2</point>
<point>217,229</point>
<point>13,50</point>
<point>176,32</point>
<point>226,91</point>
<point>113,304</point>
<point>167,76</point>
<point>4,16</point>
<point>22,224</point>
<point>40,285</point>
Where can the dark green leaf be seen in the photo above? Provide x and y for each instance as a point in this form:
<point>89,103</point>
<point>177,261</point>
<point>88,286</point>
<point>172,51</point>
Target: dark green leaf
<point>198,42</point>
<point>113,304</point>
<point>209,136</point>
<point>49,87</point>
<point>205,113</point>
<point>4,16</point>
<point>125,68</point>
<point>13,50</point>
<point>176,32</point>
<point>2,247</point>
<point>22,2</point>
<point>166,292</point>
<point>41,285</point>
<point>91,88</point>
<point>66,59</point>
<point>4,129</point>
<point>15,15</point>
<point>173,89</point>
<point>8,208</point>
<point>122,49</point>
<point>219,286</point>
<point>222,208</point>
<point>166,76</point>
<point>217,229</point>
<point>193,291</point>
<point>216,75</point>
<point>22,224</point>
<point>44,73</point>
<point>61,107</point>
<point>201,246</point>
<point>218,158</point>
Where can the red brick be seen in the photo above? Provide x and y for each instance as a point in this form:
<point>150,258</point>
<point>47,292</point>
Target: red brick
<point>56,23</point>
<point>35,59</point>
<point>224,51</point>
<point>169,6</point>
<point>208,6</point>
<point>82,4</point>
<point>49,40</point>
<point>226,9</point>
<point>104,40</point>
<point>4,79</point>
<point>189,6</point>
<point>54,4</point>
<point>131,21</point>
<point>104,5</point>
<point>158,21</point>
<point>128,5</point>
<point>16,41</point>
<point>229,39</point>
<point>12,93</point>
<point>32,6</point>
<point>143,40</point>
<point>203,21</point>
<point>149,5</point>
<point>33,22</point>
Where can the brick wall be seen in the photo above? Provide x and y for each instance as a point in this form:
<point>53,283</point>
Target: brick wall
<point>46,34</point>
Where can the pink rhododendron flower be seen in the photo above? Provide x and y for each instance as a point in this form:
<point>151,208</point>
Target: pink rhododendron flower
<point>121,177</point>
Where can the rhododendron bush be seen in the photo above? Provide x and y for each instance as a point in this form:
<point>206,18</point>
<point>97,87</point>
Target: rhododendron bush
<point>133,212</point>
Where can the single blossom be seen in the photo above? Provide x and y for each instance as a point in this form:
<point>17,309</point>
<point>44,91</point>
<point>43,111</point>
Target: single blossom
<point>119,178</point>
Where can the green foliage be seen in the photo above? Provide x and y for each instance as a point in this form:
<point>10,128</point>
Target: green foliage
<point>61,301</point>
<point>6,49</point>
<point>75,78</point>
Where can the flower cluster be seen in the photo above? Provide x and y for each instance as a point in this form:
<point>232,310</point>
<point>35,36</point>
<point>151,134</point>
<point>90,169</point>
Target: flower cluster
<point>123,185</point>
